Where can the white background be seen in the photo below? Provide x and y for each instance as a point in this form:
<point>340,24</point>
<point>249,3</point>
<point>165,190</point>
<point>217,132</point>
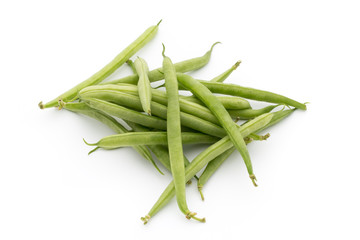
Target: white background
<point>308,170</point>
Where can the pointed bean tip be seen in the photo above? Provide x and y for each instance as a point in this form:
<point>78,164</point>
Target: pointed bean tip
<point>159,22</point>
<point>212,46</point>
<point>89,144</point>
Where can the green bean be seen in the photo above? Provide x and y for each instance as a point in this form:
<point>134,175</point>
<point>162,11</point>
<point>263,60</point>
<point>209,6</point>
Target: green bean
<point>174,136</point>
<point>251,93</point>
<point>157,74</point>
<point>119,60</point>
<point>148,138</point>
<point>250,113</point>
<point>204,158</point>
<point>144,87</point>
<point>215,106</point>
<point>228,102</point>
<point>81,107</point>
<point>159,110</point>
<point>222,77</point>
<point>126,113</point>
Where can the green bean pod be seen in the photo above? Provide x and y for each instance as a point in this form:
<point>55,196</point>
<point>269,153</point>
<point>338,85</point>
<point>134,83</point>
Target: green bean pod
<point>223,76</point>
<point>81,107</point>
<point>237,103</point>
<point>250,113</point>
<point>119,60</point>
<point>157,74</point>
<point>174,136</point>
<point>149,138</point>
<point>133,102</point>
<point>204,158</point>
<point>251,93</point>
<point>144,87</point>
<point>215,106</point>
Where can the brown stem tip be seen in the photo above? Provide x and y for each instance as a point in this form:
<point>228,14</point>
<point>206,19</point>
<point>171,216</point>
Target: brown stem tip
<point>253,179</point>
<point>41,105</point>
<point>145,219</point>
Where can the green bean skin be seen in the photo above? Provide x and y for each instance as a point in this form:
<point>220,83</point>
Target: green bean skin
<point>157,74</point>
<point>159,110</point>
<point>81,107</point>
<point>174,136</point>
<point>126,113</point>
<point>251,93</point>
<point>119,60</point>
<point>149,138</point>
<point>222,77</point>
<point>228,102</point>
<point>204,158</point>
<point>215,106</point>
<point>144,87</point>
<point>250,113</point>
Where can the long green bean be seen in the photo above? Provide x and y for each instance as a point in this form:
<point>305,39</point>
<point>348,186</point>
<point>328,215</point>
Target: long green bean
<point>119,60</point>
<point>251,93</point>
<point>215,106</point>
<point>149,138</point>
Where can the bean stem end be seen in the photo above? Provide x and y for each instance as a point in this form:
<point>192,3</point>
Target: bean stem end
<point>253,179</point>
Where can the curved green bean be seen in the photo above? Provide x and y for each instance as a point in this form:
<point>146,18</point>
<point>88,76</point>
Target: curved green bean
<point>204,158</point>
<point>215,106</point>
<point>144,88</point>
<point>149,138</point>
<point>251,93</point>
<point>119,60</point>
<point>157,74</point>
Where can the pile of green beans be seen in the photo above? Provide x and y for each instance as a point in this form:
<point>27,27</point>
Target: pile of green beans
<point>158,120</point>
